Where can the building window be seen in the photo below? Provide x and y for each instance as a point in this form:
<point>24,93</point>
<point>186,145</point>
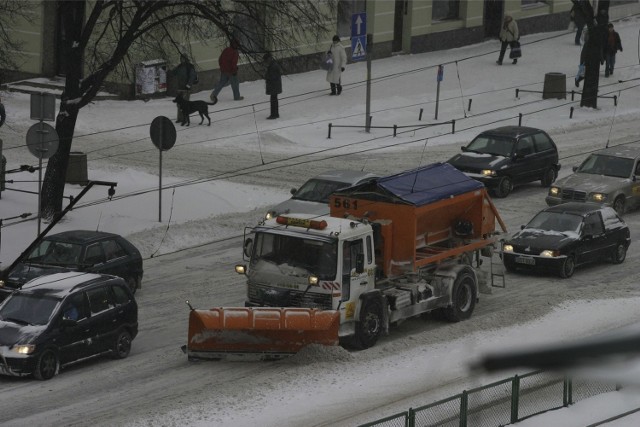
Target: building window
<point>442,10</point>
<point>346,8</point>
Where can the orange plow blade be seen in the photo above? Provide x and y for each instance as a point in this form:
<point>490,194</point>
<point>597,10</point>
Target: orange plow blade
<point>260,333</point>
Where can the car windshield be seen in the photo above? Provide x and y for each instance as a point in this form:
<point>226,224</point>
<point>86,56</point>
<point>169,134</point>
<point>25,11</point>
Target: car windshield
<point>318,190</point>
<point>28,309</point>
<point>599,164</point>
<point>307,256</point>
<point>556,221</point>
<point>56,253</point>
<point>494,145</point>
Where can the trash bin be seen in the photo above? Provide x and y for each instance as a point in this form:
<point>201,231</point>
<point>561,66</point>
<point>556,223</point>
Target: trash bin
<point>151,77</point>
<point>555,86</point>
<point>77,168</point>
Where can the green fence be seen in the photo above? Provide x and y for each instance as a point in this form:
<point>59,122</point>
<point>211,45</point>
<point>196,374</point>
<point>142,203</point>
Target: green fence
<point>500,403</point>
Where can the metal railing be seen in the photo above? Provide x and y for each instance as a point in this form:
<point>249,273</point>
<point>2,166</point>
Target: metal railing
<point>503,402</point>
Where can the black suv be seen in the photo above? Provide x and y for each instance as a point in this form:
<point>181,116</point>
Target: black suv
<point>509,155</point>
<point>62,318</point>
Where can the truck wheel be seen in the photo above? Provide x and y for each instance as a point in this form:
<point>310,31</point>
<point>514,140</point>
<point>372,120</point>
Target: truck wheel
<point>548,177</point>
<point>619,253</point>
<point>504,187</point>
<point>47,365</point>
<point>369,327</point>
<point>568,267</point>
<point>463,297</point>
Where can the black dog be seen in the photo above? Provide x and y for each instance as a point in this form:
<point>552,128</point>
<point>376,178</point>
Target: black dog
<point>189,107</point>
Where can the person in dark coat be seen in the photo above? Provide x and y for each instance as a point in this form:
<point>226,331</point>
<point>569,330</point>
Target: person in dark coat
<point>228,62</point>
<point>273,82</point>
<point>577,16</point>
<point>3,115</point>
<point>508,35</point>
<point>185,74</point>
<point>612,44</point>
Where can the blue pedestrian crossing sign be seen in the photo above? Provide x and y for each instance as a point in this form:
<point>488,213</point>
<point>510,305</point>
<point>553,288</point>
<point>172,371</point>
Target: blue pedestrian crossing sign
<point>358,36</point>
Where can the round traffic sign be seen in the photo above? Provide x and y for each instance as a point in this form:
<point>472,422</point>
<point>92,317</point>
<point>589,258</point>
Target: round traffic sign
<point>163,133</point>
<point>42,140</point>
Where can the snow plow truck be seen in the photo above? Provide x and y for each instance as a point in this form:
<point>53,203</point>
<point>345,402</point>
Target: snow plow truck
<point>391,249</point>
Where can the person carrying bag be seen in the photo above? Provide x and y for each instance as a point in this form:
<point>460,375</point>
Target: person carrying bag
<point>508,35</point>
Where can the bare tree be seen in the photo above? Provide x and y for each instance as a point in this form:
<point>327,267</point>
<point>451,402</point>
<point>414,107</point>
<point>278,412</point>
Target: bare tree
<point>11,55</point>
<point>99,36</point>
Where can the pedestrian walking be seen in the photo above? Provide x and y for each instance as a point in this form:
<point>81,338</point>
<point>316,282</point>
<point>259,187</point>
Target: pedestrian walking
<point>612,44</point>
<point>186,76</point>
<point>334,75</point>
<point>273,82</point>
<point>3,115</point>
<point>228,62</point>
<point>577,16</point>
<point>583,61</point>
<point>508,36</point>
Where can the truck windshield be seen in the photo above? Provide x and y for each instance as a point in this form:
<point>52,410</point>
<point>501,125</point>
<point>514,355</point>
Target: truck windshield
<point>311,256</point>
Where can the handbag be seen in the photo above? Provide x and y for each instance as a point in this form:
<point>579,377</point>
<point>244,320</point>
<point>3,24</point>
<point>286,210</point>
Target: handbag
<point>516,50</point>
<point>327,63</point>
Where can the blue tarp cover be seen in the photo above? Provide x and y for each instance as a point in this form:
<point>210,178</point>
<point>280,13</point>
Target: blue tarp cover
<point>428,184</point>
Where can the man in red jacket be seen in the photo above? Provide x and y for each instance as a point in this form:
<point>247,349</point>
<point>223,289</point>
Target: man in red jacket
<point>228,62</point>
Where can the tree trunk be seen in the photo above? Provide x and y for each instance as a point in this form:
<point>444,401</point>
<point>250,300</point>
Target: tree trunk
<point>593,49</point>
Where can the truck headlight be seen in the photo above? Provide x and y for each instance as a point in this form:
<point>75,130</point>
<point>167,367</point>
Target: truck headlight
<point>24,348</point>
<point>241,269</point>
<point>313,280</point>
<point>598,197</point>
<point>507,248</point>
<point>488,172</point>
<point>549,254</point>
<point>1,283</point>
<point>554,191</point>
<point>269,215</point>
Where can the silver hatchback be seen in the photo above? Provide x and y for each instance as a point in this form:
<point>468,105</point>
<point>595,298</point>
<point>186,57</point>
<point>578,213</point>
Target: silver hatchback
<point>608,177</point>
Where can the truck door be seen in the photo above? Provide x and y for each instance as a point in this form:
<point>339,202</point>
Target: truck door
<point>355,283</point>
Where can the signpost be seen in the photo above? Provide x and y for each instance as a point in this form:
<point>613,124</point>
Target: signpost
<point>360,47</point>
<point>163,136</point>
<point>439,78</point>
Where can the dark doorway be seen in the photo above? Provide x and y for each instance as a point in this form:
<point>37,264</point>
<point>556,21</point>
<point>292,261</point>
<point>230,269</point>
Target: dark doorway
<point>398,24</point>
<point>493,10</point>
<point>63,37</point>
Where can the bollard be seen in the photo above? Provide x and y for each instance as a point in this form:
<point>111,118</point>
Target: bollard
<point>517,92</point>
<point>469,107</point>
<point>395,129</point>
<point>615,100</point>
<point>420,116</point>
<point>329,135</point>
<point>573,94</point>
<point>453,126</point>
<point>370,120</point>
<point>520,119</point>
<point>571,113</point>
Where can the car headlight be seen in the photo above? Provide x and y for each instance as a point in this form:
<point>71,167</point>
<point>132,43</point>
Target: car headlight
<point>507,248</point>
<point>554,191</point>
<point>24,348</point>
<point>268,215</point>
<point>598,197</point>
<point>488,172</point>
<point>550,254</point>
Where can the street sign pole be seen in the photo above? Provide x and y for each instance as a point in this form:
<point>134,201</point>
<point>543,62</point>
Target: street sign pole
<point>160,182</point>
<point>440,77</point>
<point>163,136</point>
<point>367,124</point>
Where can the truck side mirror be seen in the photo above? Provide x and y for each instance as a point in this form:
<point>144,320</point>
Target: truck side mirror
<point>359,263</point>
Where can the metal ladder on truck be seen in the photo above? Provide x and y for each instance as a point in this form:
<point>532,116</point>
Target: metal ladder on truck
<point>496,267</point>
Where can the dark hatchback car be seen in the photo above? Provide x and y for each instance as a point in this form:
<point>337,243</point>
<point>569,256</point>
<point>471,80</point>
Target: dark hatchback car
<point>562,237</point>
<point>503,157</point>
<point>80,250</point>
<point>62,318</point>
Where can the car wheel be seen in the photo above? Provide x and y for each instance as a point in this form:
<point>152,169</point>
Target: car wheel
<point>369,328</point>
<point>122,345</point>
<point>619,205</point>
<point>47,366</point>
<point>619,253</point>
<point>568,267</point>
<point>504,187</point>
<point>463,297</point>
<point>549,177</point>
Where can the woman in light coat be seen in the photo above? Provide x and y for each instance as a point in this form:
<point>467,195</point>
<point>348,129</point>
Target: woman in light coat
<point>339,64</point>
<point>508,35</point>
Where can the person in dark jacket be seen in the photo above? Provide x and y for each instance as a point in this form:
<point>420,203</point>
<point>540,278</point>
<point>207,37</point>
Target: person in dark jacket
<point>273,81</point>
<point>185,74</point>
<point>3,115</point>
<point>577,16</point>
<point>612,44</point>
<point>228,62</point>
